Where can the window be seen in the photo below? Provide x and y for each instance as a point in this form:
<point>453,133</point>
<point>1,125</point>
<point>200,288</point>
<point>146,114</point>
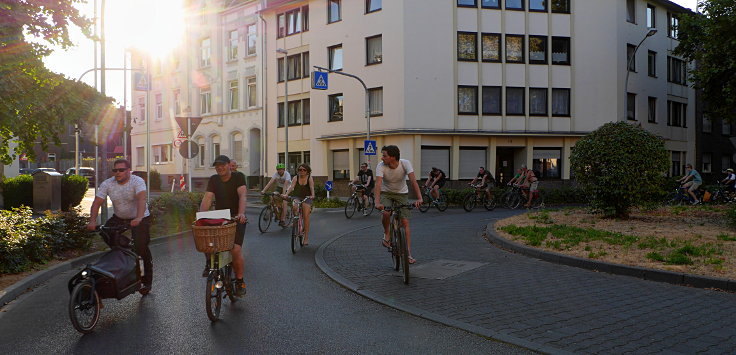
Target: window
<point>252,92</point>
<point>252,39</point>
<point>561,50</point>
<point>295,113</point>
<point>631,57</point>
<point>281,23</point>
<point>51,157</point>
<point>631,106</point>
<point>159,107</point>
<point>537,49</point>
<point>280,69</point>
<point>471,158</point>
<point>514,4</point>
<point>547,162</point>
<point>491,47</point>
<point>232,52</point>
<point>294,21</point>
<point>290,22</point>
<point>676,114</point>
<point>491,100</point>
<point>514,49</point>
<point>467,100</point>
<point>707,124</point>
<point>538,5</point>
<point>140,156</point>
<point>631,11</point>
<point>280,106</point>
<point>561,6</point>
<point>538,101</point>
<point>676,71</point>
<point>294,67</point>
<point>372,6</point>
<point>205,101</point>
<point>237,146</point>
<point>333,11</point>
<point>141,109</point>
<point>466,3</point>
<point>725,127</point>
<point>673,22</point>
<point>374,50</point>
<point>233,94</point>
<point>652,110</point>
<point>561,102</point>
<point>340,164</point>
<point>305,111</point>
<point>161,153</point>
<point>438,157</point>
<point>305,66</point>
<point>375,101</point>
<point>725,162</point>
<point>675,163</point>
<point>707,167</point>
<point>335,53</point>
<point>336,103</point>
<point>200,161</point>
<point>204,60</point>
<point>215,149</point>
<point>652,64</point>
<point>651,16</point>
<point>490,4</point>
<point>177,102</point>
<point>514,101</point>
<point>305,17</point>
<point>467,46</point>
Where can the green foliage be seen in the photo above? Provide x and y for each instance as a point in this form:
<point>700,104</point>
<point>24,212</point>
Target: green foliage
<point>155,180</point>
<point>334,202</point>
<point>619,166</point>
<point>319,191</point>
<point>731,215</point>
<point>563,195</point>
<point>73,188</point>
<point>175,208</point>
<point>568,236</point>
<point>726,237</point>
<point>706,38</point>
<point>18,191</point>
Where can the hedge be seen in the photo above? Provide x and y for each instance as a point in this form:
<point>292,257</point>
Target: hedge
<point>73,188</point>
<point>18,191</point>
<point>177,208</point>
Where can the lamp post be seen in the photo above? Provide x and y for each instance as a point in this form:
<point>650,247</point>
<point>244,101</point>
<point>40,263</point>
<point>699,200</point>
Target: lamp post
<point>286,107</point>
<point>650,33</point>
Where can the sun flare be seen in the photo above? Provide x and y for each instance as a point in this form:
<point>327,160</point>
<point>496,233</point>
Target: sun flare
<point>154,27</point>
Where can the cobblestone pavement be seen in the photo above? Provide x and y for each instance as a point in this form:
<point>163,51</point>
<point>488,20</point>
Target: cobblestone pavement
<point>543,306</point>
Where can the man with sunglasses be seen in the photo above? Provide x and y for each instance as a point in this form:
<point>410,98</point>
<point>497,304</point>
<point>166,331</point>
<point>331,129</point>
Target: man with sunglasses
<point>128,195</point>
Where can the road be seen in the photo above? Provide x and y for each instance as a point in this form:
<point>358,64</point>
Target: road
<point>291,307</point>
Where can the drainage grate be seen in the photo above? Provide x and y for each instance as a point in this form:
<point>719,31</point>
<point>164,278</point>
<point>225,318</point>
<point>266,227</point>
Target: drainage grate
<point>440,269</point>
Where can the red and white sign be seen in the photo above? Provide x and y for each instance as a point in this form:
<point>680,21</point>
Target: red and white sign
<point>182,184</point>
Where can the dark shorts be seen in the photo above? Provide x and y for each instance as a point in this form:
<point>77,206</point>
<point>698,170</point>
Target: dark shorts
<point>240,233</point>
<point>279,189</point>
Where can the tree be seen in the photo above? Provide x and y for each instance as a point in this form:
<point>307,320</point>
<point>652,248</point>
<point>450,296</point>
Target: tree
<point>36,104</point>
<point>620,166</point>
<point>708,39</point>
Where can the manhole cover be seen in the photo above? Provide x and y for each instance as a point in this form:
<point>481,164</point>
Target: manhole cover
<point>440,269</point>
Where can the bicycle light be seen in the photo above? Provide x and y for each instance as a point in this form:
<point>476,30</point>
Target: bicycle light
<point>218,284</point>
<point>84,273</point>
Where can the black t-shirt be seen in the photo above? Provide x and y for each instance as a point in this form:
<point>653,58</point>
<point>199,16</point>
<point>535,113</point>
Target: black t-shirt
<point>487,174</point>
<point>363,177</point>
<point>437,173</point>
<point>226,193</point>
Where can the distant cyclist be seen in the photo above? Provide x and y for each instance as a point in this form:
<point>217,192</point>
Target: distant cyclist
<point>303,187</point>
<point>691,181</point>
<point>365,178</point>
<point>282,178</point>
<point>531,182</point>
<point>486,180</point>
<point>730,180</point>
<point>435,181</point>
<point>517,179</point>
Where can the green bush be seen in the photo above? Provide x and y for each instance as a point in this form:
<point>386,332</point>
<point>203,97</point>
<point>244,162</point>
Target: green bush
<point>73,188</point>
<point>334,202</point>
<point>731,215</point>
<point>175,207</point>
<point>564,194</point>
<point>319,191</point>
<point>620,166</point>
<point>18,191</point>
<point>155,180</point>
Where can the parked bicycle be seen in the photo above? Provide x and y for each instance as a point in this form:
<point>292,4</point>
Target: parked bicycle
<point>681,196</point>
<point>355,202</point>
<point>117,274</point>
<point>399,247</point>
<point>297,224</point>
<point>272,212</point>
<point>428,200</point>
<point>217,242</point>
<point>478,197</point>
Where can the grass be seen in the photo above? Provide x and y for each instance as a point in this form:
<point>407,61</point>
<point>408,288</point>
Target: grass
<point>726,237</point>
<point>567,236</point>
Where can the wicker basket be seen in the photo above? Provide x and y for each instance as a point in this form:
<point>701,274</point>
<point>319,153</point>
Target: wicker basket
<point>210,239</point>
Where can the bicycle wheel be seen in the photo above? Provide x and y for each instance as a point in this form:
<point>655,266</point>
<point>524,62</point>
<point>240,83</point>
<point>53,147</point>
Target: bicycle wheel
<point>265,218</point>
<point>515,200</point>
<point>214,298</point>
<point>371,206</point>
<point>404,251</point>
<point>296,234</point>
<point>672,199</point>
<point>442,202</point>
<point>84,307</point>
<point>350,207</point>
<point>229,279</point>
<point>469,202</point>
<point>426,202</point>
<point>489,203</point>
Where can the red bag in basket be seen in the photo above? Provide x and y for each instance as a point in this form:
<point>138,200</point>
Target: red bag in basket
<point>204,222</point>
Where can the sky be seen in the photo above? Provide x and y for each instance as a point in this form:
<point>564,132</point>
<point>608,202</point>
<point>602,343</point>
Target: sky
<point>152,25</point>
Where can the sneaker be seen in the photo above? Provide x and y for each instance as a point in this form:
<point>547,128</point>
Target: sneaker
<point>239,288</point>
<point>145,289</point>
<point>365,212</point>
<point>282,223</point>
<point>695,202</point>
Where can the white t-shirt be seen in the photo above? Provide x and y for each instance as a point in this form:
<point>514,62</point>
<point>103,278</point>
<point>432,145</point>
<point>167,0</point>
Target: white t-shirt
<point>123,196</point>
<point>731,176</point>
<point>394,180</point>
<point>280,180</point>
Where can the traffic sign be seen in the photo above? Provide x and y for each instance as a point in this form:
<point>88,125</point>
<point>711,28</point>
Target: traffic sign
<point>140,81</point>
<point>185,152</point>
<point>369,147</point>
<point>319,80</point>
<point>182,121</point>
<point>328,185</point>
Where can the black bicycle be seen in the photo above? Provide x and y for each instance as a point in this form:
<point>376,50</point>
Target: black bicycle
<point>355,202</point>
<point>399,247</point>
<point>478,197</point>
<point>428,201</point>
<point>272,212</point>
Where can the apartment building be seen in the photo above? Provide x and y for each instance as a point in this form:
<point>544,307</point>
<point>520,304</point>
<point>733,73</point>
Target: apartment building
<point>459,84</point>
<point>214,75</point>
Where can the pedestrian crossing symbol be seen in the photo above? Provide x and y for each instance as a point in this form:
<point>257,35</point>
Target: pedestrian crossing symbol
<point>141,84</point>
<point>319,80</point>
<point>369,147</point>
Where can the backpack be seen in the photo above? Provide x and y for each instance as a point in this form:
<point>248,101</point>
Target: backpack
<point>537,174</point>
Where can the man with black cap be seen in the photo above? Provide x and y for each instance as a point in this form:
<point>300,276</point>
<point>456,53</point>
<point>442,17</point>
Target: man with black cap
<point>229,191</point>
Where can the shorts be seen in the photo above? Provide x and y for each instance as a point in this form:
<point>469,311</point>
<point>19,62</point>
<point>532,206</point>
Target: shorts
<point>534,186</point>
<point>240,233</point>
<point>694,186</point>
<point>391,198</point>
<point>279,189</point>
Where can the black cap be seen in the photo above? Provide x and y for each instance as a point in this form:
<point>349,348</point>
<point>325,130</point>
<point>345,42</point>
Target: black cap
<point>221,159</point>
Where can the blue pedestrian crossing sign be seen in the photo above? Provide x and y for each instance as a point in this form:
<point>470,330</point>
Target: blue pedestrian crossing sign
<point>319,80</point>
<point>369,147</point>
<point>328,185</point>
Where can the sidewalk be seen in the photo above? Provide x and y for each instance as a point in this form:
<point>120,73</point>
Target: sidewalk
<point>462,280</point>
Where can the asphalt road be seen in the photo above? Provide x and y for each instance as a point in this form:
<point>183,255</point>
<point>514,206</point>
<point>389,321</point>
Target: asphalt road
<point>291,307</point>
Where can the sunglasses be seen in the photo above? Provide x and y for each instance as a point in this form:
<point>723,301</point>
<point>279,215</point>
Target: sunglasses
<point>120,170</point>
<point>301,169</point>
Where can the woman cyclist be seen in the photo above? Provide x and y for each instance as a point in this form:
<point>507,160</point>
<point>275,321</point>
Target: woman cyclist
<point>302,186</point>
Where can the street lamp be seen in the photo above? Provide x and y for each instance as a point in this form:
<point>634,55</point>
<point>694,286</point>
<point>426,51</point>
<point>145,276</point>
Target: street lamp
<point>286,107</point>
<point>650,33</point>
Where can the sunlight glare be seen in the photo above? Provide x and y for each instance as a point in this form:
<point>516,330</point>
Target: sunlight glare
<point>155,27</point>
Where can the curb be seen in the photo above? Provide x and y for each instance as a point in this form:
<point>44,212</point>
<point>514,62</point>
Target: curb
<point>31,281</point>
<point>391,302</point>
<point>676,278</point>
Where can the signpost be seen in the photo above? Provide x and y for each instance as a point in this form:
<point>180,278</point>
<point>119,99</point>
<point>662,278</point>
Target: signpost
<point>328,187</point>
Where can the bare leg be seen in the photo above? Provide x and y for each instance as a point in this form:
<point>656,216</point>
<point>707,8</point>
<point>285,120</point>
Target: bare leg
<point>385,218</point>
<point>238,261</point>
<point>306,212</point>
<point>405,223</point>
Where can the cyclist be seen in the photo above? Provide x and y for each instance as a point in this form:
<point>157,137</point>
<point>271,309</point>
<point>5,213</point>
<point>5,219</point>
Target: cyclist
<point>303,188</point>
<point>486,180</point>
<point>128,195</point>
<point>282,178</point>
<point>517,178</point>
<point>691,186</point>
<point>729,180</point>
<point>530,182</point>
<point>229,191</point>
<point>365,178</point>
<point>391,175</point>
<point>435,180</point>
